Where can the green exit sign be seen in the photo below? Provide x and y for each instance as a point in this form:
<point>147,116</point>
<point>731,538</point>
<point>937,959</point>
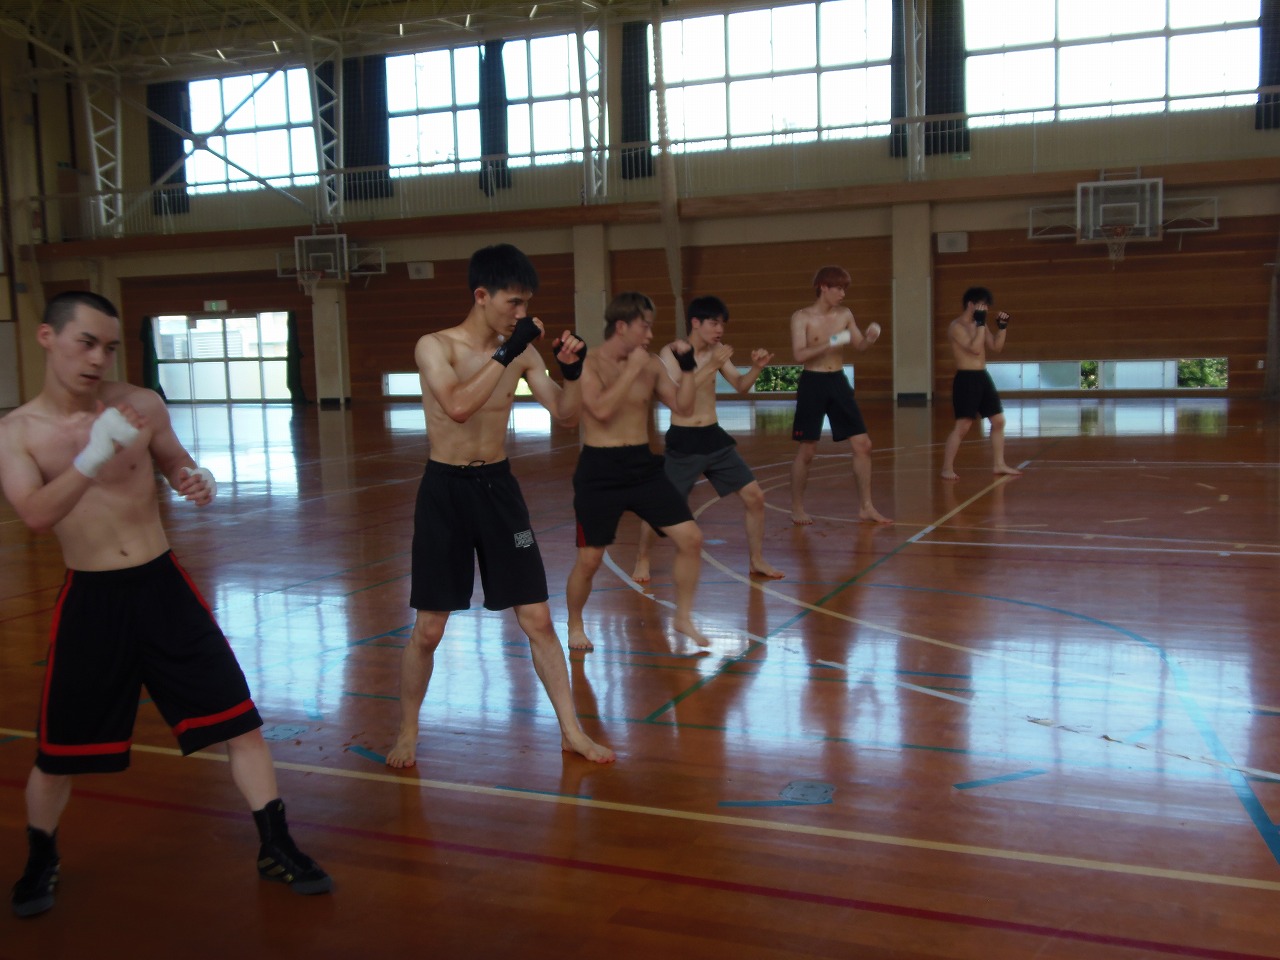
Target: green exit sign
<point>215,306</point>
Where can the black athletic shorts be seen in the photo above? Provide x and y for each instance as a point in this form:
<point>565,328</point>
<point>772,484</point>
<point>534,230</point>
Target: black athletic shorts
<point>611,480</point>
<point>825,394</point>
<point>693,452</point>
<point>115,631</point>
<point>974,396</point>
<point>469,513</point>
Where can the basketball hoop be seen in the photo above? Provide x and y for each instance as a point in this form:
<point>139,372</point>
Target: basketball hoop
<point>1116,236</point>
<point>308,280</point>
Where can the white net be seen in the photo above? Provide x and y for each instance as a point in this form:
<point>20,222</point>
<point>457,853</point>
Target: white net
<point>1116,237</point>
<point>308,280</point>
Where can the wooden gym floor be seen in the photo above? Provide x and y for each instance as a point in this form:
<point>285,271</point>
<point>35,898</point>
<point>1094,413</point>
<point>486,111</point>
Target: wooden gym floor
<point>1033,718</point>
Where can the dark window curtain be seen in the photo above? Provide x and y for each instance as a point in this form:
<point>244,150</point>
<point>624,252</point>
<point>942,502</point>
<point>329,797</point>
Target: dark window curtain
<point>944,79</point>
<point>494,173</point>
<point>636,161</point>
<point>150,362</point>
<point>1268,110</point>
<point>366,138</point>
<point>164,146</point>
<point>293,360</point>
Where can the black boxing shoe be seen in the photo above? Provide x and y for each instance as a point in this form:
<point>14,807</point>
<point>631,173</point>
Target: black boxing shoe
<point>283,862</point>
<point>33,893</point>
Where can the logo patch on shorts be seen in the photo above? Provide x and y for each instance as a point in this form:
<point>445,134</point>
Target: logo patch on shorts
<point>524,539</point>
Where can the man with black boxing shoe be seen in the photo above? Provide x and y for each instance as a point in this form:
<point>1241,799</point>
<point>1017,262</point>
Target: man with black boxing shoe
<point>80,460</point>
<point>469,504</point>
<point>973,393</point>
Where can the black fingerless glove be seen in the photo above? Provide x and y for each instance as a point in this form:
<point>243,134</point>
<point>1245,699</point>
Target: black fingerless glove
<point>1003,323</point>
<point>571,371</point>
<point>980,317</point>
<point>525,333</point>
<point>688,362</point>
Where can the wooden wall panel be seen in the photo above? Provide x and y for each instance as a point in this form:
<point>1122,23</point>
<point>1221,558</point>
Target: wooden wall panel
<point>1188,295</point>
<point>764,284</point>
<point>387,314</point>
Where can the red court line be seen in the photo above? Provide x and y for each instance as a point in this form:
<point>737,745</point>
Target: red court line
<point>706,883</point>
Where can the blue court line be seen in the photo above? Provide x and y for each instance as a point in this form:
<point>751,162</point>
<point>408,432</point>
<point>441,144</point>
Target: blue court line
<point>1007,778</point>
<point>544,793</point>
<point>1237,780</point>
<point>367,754</point>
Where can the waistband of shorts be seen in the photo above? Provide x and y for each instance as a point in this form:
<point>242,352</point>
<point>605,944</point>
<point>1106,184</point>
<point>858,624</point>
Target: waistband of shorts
<point>823,374</point>
<point>476,468</point>
<point>166,560</point>
<point>626,450</point>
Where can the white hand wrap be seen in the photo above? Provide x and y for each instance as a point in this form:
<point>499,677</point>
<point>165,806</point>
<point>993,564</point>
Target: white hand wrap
<point>841,338</point>
<point>108,430</point>
<point>204,474</point>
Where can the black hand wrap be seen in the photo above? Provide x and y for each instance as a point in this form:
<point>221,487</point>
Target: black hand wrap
<point>525,333</point>
<point>1002,323</point>
<point>688,362</point>
<point>980,317</point>
<point>571,371</point>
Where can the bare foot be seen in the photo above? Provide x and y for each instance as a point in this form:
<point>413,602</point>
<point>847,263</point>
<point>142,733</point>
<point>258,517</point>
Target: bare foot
<point>641,572</point>
<point>800,518</point>
<point>765,569</point>
<point>686,627</point>
<point>578,640</point>
<point>587,748</point>
<point>1005,470</point>
<point>950,475</point>
<point>404,753</point>
<point>872,515</point>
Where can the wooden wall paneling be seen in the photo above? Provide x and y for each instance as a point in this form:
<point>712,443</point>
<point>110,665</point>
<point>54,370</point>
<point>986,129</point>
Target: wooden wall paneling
<point>387,314</point>
<point>764,284</point>
<point>1188,295</point>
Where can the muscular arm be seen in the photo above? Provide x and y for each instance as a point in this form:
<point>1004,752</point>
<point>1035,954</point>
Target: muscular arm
<point>800,347</point>
<point>458,398</point>
<point>563,403</point>
<point>604,402</point>
<point>965,341</point>
<point>680,395</point>
<point>743,382</point>
<point>38,504</point>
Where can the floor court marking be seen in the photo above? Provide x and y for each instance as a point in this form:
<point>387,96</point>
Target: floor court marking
<point>797,829</point>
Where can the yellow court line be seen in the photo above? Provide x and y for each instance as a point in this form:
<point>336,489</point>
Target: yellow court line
<point>799,829</point>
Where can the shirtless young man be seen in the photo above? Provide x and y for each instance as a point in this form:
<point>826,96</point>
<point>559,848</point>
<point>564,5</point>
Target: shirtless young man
<point>819,334</point>
<point>973,394</point>
<point>469,503</point>
<point>616,469</point>
<point>80,459</point>
<point>698,446</point>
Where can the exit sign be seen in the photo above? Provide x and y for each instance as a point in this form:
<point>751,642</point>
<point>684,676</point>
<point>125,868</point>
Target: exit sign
<point>215,306</point>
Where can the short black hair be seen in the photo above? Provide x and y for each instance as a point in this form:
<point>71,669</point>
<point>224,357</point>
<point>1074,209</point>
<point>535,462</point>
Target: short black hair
<point>707,308</point>
<point>977,295</point>
<point>501,267</point>
<point>59,311</point>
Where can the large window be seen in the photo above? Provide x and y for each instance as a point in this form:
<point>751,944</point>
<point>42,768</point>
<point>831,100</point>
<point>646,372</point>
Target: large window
<point>783,75</point>
<point>261,123</point>
<point>434,102</point>
<point>1032,60</point>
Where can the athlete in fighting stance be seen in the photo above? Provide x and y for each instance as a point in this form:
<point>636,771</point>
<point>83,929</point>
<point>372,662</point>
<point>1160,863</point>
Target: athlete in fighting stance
<point>697,446</point>
<point>469,504</point>
<point>80,460</point>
